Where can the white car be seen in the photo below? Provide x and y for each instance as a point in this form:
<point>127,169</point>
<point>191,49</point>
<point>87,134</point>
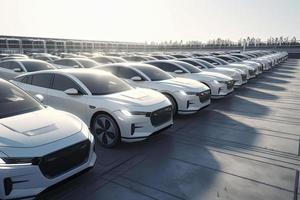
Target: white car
<point>245,57</point>
<point>221,63</point>
<point>75,63</point>
<point>39,146</point>
<point>12,68</point>
<point>219,84</point>
<point>112,109</point>
<point>237,75</point>
<point>187,96</point>
<point>236,61</point>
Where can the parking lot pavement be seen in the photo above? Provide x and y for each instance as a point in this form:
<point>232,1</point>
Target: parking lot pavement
<point>243,147</point>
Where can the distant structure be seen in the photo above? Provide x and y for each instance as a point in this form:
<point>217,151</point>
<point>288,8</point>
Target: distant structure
<point>19,44</point>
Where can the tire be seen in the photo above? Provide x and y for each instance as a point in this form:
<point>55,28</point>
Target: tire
<point>174,104</point>
<point>106,130</point>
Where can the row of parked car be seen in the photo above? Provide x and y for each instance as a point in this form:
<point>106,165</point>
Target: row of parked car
<point>52,107</point>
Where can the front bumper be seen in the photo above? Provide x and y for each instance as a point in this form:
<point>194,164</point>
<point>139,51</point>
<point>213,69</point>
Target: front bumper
<point>221,91</point>
<point>188,104</point>
<point>25,181</point>
<point>138,127</point>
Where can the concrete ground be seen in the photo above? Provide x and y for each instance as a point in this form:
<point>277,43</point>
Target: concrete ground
<point>243,147</point>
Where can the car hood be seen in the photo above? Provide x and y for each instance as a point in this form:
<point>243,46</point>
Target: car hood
<point>215,74</point>
<point>241,65</point>
<point>210,76</point>
<point>224,71</point>
<point>37,128</point>
<point>184,84</point>
<point>136,97</point>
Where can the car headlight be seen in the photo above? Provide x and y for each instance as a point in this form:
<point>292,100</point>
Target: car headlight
<point>126,113</point>
<point>219,82</point>
<point>182,92</point>
<point>130,113</point>
<point>16,161</point>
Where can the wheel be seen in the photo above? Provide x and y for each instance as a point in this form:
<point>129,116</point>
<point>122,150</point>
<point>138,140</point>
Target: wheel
<point>106,130</point>
<point>174,104</point>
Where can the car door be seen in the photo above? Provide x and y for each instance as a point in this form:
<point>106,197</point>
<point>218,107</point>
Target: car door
<point>57,98</point>
<point>7,70</point>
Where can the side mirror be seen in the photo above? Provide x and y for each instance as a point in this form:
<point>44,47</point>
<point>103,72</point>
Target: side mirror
<point>178,71</point>
<point>17,70</point>
<point>72,91</point>
<point>136,78</point>
<point>39,97</point>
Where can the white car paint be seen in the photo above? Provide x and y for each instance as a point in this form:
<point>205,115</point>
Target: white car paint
<point>186,92</point>
<point>12,68</point>
<point>219,84</point>
<point>122,105</point>
<point>30,137</point>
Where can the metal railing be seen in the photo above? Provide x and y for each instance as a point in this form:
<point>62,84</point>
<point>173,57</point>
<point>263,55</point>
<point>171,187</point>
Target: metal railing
<point>11,44</point>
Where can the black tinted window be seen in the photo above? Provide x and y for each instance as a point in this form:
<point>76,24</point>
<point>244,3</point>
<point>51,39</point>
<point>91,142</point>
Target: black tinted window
<point>102,84</point>
<point>5,65</point>
<point>191,62</point>
<point>32,66</point>
<point>211,61</point>
<point>41,80</point>
<point>189,67</point>
<point>14,101</point>
<point>154,74</point>
<point>127,73</point>
<point>227,59</point>
<point>60,62</point>
<point>10,65</point>
<point>167,67</point>
<point>62,83</point>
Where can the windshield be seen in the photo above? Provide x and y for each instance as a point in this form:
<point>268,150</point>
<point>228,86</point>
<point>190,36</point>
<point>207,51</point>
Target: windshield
<point>223,62</point>
<point>32,66</point>
<point>87,63</point>
<point>207,64</point>
<point>153,73</point>
<point>240,57</point>
<point>100,83</point>
<point>192,69</point>
<point>13,101</point>
<point>236,58</point>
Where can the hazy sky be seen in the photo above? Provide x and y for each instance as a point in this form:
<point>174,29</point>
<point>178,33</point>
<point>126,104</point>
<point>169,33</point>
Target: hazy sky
<point>150,20</point>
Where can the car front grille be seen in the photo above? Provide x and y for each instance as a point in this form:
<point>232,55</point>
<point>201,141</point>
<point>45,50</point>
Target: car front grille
<point>251,72</point>
<point>244,77</point>
<point>204,96</point>
<point>161,116</point>
<point>61,161</point>
<point>230,84</point>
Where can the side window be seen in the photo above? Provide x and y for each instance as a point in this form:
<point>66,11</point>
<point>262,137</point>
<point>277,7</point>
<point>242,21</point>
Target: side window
<point>59,62</point>
<point>165,66</point>
<point>15,65</point>
<point>71,63</point>
<point>127,73</point>
<point>21,79</point>
<point>62,83</point>
<point>42,80</point>
<point>5,65</point>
